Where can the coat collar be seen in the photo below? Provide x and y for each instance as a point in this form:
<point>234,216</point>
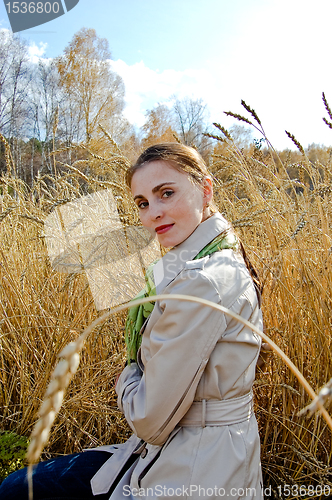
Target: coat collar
<point>174,261</point>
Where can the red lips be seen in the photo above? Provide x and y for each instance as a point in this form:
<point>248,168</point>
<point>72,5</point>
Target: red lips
<point>164,228</point>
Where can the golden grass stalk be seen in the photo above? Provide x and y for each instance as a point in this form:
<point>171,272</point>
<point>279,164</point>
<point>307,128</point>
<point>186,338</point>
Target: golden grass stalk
<point>68,366</point>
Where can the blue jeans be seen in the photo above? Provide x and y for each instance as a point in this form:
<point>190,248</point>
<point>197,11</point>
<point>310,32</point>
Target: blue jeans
<point>65,478</point>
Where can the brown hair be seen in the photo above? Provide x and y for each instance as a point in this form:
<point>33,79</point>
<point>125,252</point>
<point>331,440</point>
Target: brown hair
<point>183,158</point>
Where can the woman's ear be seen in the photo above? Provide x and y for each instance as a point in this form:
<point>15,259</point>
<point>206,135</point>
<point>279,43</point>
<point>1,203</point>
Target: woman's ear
<point>207,190</point>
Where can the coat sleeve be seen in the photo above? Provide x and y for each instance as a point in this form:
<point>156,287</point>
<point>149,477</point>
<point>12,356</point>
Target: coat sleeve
<point>180,343</point>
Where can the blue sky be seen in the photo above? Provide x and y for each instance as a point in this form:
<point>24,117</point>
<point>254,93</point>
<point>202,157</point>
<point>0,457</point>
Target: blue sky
<point>273,54</point>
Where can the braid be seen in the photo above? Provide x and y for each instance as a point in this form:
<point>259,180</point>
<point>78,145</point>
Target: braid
<point>253,273</point>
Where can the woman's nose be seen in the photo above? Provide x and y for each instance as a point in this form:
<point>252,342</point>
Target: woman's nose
<point>155,211</point>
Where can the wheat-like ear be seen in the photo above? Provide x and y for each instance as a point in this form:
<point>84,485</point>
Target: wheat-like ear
<point>60,379</point>
<point>329,124</point>
<point>51,405</point>
<point>112,141</point>
<point>327,107</point>
<point>238,117</point>
<point>176,137</point>
<point>296,142</point>
<point>251,111</point>
<point>223,130</point>
<point>216,137</point>
<point>324,395</point>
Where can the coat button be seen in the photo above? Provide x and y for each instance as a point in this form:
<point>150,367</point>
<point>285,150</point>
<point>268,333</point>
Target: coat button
<point>144,453</point>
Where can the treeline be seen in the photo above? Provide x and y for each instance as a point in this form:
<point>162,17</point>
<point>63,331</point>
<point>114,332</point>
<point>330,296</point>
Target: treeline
<point>57,103</point>
<point>73,105</point>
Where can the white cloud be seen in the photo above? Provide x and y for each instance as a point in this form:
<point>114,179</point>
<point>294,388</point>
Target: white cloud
<point>279,67</point>
<point>284,98</point>
<point>145,88</point>
<point>35,52</point>
<point>278,64</point>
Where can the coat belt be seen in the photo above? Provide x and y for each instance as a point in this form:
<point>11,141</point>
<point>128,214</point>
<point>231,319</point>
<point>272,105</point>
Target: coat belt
<point>213,412</point>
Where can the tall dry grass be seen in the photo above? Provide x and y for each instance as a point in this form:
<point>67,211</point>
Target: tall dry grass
<point>284,223</point>
<point>41,310</point>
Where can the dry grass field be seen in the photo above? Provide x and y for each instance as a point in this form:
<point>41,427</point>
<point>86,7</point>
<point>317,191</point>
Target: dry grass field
<point>284,223</point>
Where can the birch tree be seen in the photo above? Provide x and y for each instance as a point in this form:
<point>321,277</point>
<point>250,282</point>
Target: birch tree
<point>15,76</point>
<point>95,92</point>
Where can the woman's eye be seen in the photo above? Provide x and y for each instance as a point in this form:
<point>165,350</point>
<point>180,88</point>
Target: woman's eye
<point>142,204</point>
<point>168,193</point>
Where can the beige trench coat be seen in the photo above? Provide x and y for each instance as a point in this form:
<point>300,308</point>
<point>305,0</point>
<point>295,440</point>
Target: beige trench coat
<point>188,400</point>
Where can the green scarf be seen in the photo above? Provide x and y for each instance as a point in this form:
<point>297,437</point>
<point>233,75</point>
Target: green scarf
<point>138,315</point>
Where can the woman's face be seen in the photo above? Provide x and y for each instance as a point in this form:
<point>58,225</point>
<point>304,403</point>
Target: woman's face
<point>170,205</point>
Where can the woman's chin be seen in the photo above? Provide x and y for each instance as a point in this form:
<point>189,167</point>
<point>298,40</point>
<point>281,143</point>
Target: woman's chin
<point>168,241</point>
<point>165,242</point>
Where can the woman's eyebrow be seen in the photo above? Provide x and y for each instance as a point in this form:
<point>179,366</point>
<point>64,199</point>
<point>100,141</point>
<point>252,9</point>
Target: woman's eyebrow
<point>155,189</point>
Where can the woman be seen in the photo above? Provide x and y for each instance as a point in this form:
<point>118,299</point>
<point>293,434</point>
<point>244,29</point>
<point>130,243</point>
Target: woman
<point>186,393</point>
